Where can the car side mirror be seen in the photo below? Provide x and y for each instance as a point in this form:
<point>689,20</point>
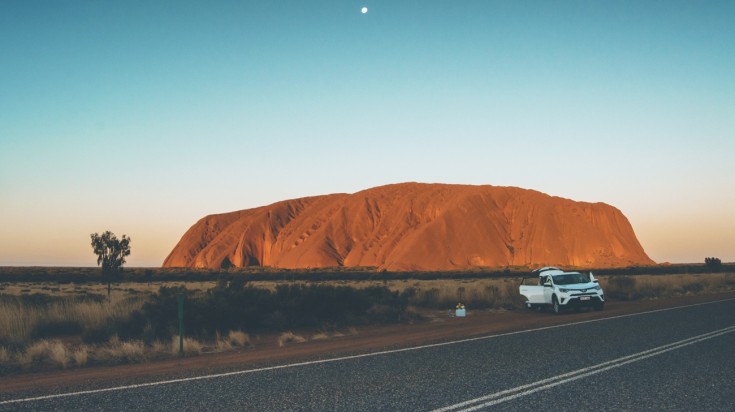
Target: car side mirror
<point>547,285</point>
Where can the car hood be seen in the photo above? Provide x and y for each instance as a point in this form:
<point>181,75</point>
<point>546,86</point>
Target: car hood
<point>578,286</point>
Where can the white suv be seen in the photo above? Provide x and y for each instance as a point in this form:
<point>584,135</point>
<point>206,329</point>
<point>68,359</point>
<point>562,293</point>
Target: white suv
<point>559,290</point>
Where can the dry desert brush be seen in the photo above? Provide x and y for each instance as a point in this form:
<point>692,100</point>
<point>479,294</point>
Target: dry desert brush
<point>234,306</point>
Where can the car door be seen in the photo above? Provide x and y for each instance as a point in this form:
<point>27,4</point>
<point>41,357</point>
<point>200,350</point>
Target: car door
<point>548,289</point>
<point>534,293</point>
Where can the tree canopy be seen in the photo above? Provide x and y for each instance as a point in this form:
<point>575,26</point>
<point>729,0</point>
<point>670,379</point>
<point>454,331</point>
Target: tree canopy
<point>110,251</point>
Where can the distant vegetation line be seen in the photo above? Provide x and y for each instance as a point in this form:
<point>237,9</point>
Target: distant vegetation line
<point>92,274</point>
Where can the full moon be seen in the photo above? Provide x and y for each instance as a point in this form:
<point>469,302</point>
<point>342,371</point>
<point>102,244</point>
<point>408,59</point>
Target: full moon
<point>364,10</point>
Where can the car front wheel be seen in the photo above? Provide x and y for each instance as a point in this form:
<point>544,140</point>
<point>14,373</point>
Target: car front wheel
<point>555,304</point>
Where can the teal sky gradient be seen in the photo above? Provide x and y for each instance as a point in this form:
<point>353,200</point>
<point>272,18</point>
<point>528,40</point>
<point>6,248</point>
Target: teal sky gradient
<point>142,117</point>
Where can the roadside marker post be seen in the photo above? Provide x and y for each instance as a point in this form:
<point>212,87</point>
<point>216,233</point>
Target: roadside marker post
<point>180,300</point>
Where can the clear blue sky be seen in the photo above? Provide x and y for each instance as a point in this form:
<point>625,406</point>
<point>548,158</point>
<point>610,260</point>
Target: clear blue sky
<point>143,116</point>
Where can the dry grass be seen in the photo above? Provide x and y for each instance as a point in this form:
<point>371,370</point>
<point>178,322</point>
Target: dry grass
<point>159,347</point>
<point>289,337</point>
<point>18,320</point>
<point>80,355</point>
<point>58,354</point>
<point>655,287</point>
<point>446,289</point>
<point>48,353</point>
<point>117,351</point>
<point>473,293</point>
<point>5,355</point>
<point>238,338</point>
<point>320,336</point>
<point>86,289</point>
<point>51,352</point>
<point>191,346</point>
<point>234,339</point>
<point>221,344</point>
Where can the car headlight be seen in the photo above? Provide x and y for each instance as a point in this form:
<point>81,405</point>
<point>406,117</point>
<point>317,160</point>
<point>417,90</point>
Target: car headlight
<point>598,287</point>
<point>562,290</point>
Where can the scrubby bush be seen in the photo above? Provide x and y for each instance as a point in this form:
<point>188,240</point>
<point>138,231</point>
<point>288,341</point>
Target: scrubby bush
<point>45,352</point>
<point>235,306</point>
<point>119,351</point>
<point>124,326</point>
<point>446,294</point>
<point>621,288</point>
<point>98,334</point>
<point>47,328</point>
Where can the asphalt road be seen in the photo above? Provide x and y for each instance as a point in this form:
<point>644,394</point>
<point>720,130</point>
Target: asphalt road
<point>674,359</point>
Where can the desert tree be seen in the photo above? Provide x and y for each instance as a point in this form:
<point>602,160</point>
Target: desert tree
<point>111,253</point>
<point>714,264</point>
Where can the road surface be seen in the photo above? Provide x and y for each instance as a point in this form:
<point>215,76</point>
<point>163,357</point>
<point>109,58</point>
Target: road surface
<point>672,359</point>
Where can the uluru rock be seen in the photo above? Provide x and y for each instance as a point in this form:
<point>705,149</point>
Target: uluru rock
<point>413,226</point>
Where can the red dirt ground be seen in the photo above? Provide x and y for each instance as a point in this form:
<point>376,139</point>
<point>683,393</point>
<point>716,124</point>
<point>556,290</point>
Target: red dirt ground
<point>368,339</point>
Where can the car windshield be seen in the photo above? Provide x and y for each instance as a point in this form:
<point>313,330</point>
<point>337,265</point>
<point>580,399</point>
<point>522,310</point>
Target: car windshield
<point>570,279</point>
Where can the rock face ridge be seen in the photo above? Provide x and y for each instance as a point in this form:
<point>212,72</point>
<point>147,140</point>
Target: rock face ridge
<point>413,226</point>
